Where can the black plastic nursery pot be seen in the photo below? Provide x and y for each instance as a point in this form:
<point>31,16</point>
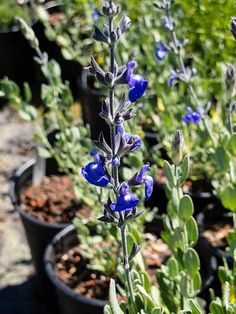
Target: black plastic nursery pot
<point>38,233</point>
<point>200,199</point>
<point>211,215</point>
<point>69,301</point>
<point>70,70</point>
<point>91,101</point>
<point>16,57</point>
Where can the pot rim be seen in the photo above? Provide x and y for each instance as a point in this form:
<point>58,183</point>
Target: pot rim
<point>12,194</point>
<point>48,264</point>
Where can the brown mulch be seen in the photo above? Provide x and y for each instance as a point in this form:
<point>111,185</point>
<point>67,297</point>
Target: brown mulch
<point>53,200</point>
<point>71,269</point>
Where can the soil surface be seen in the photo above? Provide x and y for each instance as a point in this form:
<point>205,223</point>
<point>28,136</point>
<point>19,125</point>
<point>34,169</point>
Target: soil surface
<point>53,200</point>
<point>71,268</point>
<point>216,234</point>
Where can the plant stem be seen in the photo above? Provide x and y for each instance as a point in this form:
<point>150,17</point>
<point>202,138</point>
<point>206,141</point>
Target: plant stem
<point>115,173</point>
<point>127,266</point>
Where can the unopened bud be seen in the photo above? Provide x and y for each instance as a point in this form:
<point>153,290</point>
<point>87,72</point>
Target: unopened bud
<point>232,26</point>
<point>230,79</point>
<point>110,9</point>
<point>177,147</point>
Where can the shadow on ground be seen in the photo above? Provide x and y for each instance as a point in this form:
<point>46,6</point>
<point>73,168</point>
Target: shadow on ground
<point>24,298</point>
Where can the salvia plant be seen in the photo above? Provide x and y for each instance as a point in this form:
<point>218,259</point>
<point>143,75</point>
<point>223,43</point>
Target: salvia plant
<point>121,205</point>
<point>120,208</point>
<point>179,279</point>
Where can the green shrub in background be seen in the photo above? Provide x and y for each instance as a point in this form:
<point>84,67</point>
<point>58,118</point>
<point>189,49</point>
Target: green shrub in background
<point>9,9</point>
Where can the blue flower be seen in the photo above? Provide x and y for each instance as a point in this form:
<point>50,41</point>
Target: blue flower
<point>136,83</point>
<point>174,76</point>
<point>125,201</point>
<point>192,116</point>
<point>146,180</point>
<point>96,13</point>
<point>161,51</point>
<point>94,172</point>
<point>134,139</point>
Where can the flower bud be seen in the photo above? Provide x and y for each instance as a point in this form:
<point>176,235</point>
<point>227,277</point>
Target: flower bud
<point>230,79</point>
<point>110,9</point>
<point>232,26</point>
<point>177,147</point>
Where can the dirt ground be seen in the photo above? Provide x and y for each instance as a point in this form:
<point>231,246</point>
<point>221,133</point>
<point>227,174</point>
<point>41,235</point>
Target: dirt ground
<point>17,281</point>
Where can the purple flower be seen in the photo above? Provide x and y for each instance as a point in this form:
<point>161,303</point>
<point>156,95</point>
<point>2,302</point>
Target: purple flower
<point>134,139</point>
<point>139,178</point>
<point>125,201</point>
<point>136,83</point>
<point>146,180</point>
<point>96,13</point>
<point>94,172</point>
<point>161,51</point>
<point>174,76</point>
<point>192,116</point>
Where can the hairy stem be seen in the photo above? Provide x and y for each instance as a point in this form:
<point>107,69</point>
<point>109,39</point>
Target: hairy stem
<point>189,84</point>
<point>115,173</point>
<point>127,267</point>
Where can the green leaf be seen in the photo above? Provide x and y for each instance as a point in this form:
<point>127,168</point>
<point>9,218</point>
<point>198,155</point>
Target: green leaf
<point>43,152</point>
<point>185,169</point>
<point>231,146</point>
<point>175,197</point>
<point>195,307</point>
<point>24,115</point>
<point>169,173</point>
<point>197,281</point>
<point>227,196</point>
<point>130,242</point>
<point>173,267</point>
<point>27,92</point>
<point>221,159</point>
<point>192,231</point>
<point>146,296</point>
<point>191,261</point>
<point>113,300</point>
<point>222,274</point>
<point>216,307</point>
<point>185,207</point>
